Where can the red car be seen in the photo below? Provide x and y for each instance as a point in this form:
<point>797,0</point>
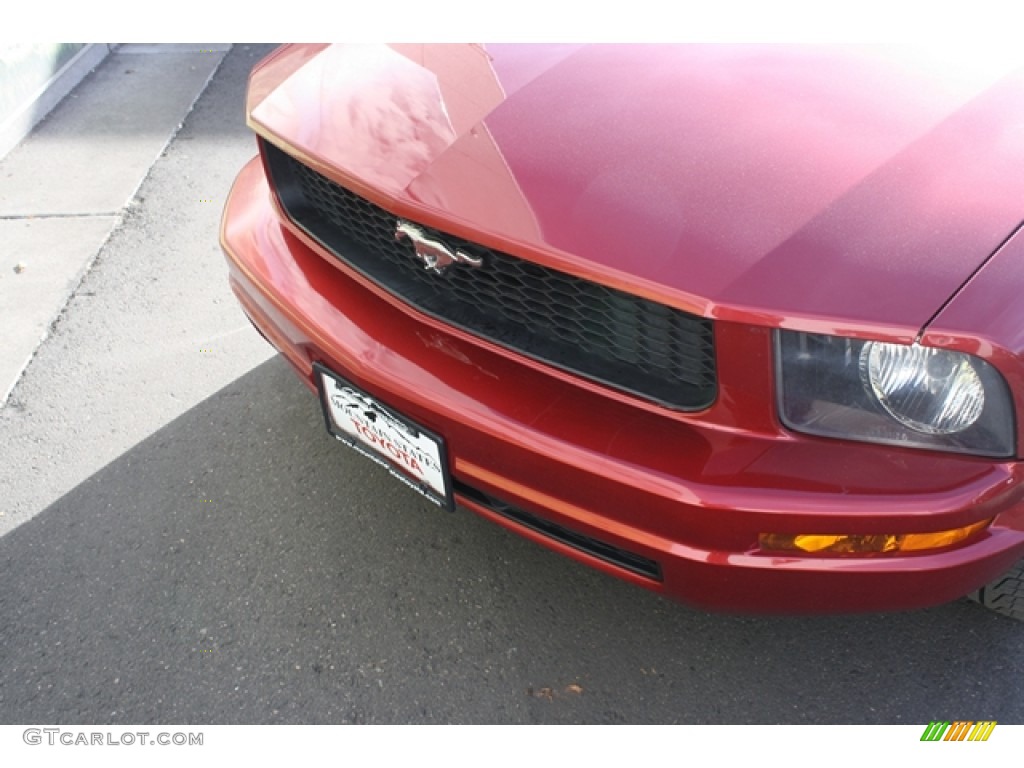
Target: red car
<point>738,324</point>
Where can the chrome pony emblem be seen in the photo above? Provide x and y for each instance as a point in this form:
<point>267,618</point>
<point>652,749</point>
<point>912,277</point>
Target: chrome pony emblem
<point>435,255</point>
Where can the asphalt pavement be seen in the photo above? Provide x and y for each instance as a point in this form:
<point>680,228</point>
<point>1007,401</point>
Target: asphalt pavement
<point>183,543</point>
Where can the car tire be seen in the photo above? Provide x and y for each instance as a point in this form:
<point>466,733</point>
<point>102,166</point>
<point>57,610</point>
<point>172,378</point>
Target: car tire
<point>1005,595</point>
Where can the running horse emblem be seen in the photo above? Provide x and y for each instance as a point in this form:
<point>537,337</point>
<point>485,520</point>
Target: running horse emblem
<point>435,255</point>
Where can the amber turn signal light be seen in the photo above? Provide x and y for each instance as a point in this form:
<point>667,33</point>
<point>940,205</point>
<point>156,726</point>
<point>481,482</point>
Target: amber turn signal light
<point>856,544</point>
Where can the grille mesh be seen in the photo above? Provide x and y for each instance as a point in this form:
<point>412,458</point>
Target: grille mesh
<point>657,352</point>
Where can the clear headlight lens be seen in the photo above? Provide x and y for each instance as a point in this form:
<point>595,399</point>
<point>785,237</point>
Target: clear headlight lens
<point>929,390</point>
<point>894,394</point>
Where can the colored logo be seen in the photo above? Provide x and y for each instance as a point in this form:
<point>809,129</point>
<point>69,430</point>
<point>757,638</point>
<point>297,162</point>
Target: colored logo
<point>960,730</point>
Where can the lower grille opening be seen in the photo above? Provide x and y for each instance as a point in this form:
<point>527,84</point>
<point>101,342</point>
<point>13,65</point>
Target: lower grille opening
<point>621,558</point>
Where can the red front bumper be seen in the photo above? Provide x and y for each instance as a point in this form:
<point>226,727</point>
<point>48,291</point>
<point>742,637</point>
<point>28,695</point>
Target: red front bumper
<point>672,502</point>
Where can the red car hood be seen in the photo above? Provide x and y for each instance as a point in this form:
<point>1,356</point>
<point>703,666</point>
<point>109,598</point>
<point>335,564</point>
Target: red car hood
<point>850,189</point>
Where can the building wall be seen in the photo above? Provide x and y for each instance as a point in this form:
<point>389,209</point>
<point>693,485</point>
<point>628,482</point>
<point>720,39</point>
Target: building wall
<point>34,77</point>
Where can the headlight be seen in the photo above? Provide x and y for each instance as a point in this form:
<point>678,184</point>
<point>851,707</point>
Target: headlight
<point>894,394</point>
<point>928,390</point>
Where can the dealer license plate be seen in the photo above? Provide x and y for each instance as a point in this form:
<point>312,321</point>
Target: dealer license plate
<point>411,453</point>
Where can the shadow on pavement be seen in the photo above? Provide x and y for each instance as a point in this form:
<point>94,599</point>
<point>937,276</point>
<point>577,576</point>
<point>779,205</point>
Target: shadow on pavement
<point>239,566</point>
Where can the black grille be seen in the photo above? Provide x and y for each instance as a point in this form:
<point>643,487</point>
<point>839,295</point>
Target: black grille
<point>657,352</point>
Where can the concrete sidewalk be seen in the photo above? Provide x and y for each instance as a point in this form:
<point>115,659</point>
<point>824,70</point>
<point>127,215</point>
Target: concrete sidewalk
<point>70,183</point>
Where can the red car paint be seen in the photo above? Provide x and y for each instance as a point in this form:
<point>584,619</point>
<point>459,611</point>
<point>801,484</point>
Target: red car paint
<point>864,192</point>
